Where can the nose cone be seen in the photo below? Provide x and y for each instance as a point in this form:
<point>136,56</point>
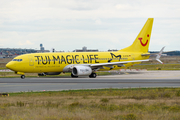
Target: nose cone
<point>10,65</point>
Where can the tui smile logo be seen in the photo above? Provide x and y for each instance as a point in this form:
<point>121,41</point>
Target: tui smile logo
<point>143,44</point>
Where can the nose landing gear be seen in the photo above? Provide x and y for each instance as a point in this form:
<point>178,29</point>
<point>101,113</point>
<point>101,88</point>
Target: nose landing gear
<point>20,73</point>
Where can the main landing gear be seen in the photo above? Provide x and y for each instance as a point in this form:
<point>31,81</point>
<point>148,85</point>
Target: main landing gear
<point>22,76</point>
<point>92,75</point>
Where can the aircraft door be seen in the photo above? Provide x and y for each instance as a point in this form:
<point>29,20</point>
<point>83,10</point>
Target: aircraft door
<point>133,57</point>
<point>31,61</point>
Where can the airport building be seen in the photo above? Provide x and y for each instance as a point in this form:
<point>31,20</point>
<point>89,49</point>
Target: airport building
<point>42,49</point>
<point>84,49</point>
<point>112,50</point>
<point>13,52</point>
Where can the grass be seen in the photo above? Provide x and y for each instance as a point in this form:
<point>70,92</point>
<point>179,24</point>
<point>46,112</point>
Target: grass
<point>157,67</point>
<point>106,104</point>
<point>2,68</point>
<point>12,75</point>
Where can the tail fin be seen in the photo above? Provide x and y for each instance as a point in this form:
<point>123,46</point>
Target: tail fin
<point>141,43</point>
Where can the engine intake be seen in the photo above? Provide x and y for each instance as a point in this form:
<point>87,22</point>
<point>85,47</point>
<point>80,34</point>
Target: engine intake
<point>81,70</point>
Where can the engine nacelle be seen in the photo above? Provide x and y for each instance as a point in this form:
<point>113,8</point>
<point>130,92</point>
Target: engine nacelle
<point>81,70</point>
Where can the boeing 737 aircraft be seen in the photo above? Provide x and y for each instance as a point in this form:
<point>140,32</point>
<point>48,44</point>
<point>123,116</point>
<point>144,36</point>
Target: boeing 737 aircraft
<point>85,63</point>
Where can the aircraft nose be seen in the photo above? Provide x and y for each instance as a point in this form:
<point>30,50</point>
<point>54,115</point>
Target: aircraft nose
<point>9,65</point>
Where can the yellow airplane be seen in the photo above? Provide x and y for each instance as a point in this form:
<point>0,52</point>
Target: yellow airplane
<point>85,63</point>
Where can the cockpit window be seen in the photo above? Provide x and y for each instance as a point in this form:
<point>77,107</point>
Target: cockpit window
<point>19,60</point>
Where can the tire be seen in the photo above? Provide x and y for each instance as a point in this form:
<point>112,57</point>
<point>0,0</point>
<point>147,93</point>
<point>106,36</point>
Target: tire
<point>22,76</point>
<point>92,75</point>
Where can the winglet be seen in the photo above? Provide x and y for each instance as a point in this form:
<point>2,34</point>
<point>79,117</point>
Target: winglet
<point>159,55</point>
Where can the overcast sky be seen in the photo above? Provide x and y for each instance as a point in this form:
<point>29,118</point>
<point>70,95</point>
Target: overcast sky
<point>97,24</point>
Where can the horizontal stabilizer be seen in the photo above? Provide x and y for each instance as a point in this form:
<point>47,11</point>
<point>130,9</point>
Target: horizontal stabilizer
<point>159,55</point>
<point>159,61</point>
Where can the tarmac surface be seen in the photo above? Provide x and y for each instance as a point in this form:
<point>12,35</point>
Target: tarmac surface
<point>123,80</point>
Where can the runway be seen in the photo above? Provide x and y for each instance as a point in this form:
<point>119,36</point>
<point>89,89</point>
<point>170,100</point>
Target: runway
<point>125,80</point>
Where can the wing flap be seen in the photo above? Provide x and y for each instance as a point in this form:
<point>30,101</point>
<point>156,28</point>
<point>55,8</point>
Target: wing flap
<point>116,63</point>
<point>98,66</point>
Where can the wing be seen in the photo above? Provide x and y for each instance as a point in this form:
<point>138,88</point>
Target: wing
<point>98,66</point>
<point>110,64</point>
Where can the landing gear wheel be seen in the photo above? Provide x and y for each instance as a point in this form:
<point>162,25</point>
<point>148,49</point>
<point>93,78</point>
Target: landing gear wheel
<point>73,76</point>
<point>92,75</point>
<point>22,76</point>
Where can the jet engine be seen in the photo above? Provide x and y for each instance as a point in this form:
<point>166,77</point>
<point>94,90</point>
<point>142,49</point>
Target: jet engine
<point>81,70</point>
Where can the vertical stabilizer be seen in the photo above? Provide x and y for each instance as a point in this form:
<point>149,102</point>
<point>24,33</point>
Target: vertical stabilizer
<point>141,43</point>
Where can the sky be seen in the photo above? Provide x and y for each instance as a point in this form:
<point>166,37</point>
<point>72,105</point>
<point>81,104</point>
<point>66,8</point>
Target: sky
<point>67,25</point>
